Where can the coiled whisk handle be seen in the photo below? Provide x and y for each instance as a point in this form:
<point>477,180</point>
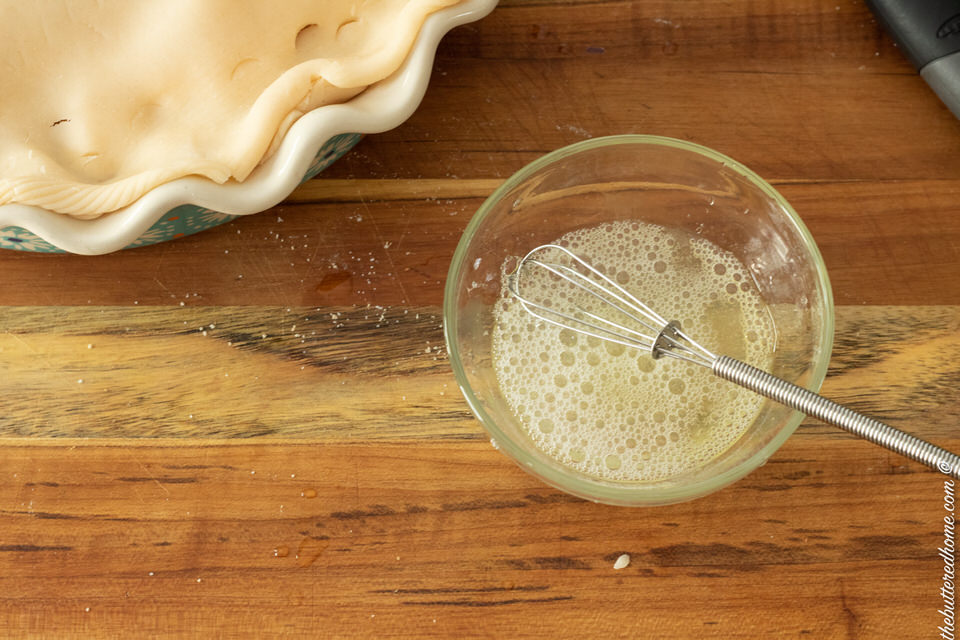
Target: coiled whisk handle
<point>830,412</point>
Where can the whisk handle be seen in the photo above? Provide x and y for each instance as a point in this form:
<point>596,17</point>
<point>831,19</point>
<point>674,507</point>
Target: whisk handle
<point>830,412</point>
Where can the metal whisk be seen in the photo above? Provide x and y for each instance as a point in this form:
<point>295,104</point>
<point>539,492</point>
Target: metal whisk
<point>618,316</point>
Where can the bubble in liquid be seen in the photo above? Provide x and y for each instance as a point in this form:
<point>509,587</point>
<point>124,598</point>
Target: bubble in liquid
<point>614,349</point>
<point>623,278</point>
<point>676,386</point>
<point>586,387</point>
<point>593,359</point>
<point>731,288</point>
<point>546,425</point>
<point>613,462</point>
<point>544,356</point>
<point>631,398</point>
<point>660,266</point>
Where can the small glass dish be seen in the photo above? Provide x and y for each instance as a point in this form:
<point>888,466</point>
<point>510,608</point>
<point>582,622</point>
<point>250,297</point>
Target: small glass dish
<point>676,185</point>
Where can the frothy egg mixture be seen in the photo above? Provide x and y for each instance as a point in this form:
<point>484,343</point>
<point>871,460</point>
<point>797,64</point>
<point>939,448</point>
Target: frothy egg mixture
<point>614,412</point>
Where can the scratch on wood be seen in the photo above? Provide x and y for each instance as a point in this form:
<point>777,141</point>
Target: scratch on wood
<point>356,514</point>
<point>33,547</point>
<point>160,480</point>
<point>46,515</point>
<point>853,623</point>
<point>486,603</point>
<point>560,563</point>
<point>475,505</point>
<point>462,590</point>
<point>225,467</point>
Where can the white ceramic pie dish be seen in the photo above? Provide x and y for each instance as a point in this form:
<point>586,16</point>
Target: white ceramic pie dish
<point>191,204</point>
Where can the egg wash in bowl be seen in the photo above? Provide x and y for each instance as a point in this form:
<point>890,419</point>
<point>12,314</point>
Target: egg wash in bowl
<point>615,412</point>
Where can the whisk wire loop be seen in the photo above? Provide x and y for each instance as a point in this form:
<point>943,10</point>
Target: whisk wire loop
<point>634,316</point>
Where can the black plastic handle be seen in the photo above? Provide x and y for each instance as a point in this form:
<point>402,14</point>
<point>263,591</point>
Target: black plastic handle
<point>924,29</point>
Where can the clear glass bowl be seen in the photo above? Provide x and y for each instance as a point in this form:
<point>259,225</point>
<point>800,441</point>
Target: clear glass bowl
<point>674,184</point>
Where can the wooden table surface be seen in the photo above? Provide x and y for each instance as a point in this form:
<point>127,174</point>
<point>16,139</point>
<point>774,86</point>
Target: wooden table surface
<point>255,430</point>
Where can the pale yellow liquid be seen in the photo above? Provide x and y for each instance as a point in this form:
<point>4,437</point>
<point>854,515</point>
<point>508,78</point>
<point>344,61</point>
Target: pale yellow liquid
<point>614,412</point>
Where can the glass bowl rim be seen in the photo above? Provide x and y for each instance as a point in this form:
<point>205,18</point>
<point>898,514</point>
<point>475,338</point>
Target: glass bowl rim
<point>630,495</point>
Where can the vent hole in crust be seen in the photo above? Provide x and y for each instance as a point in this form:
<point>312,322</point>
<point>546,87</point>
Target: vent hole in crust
<point>343,28</point>
<point>307,38</point>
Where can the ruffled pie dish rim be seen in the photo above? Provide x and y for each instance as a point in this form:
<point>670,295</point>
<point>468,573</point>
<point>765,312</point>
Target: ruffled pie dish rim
<point>191,204</point>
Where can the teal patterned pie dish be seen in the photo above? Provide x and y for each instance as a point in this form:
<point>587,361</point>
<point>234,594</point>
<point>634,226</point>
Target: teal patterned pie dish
<point>188,205</point>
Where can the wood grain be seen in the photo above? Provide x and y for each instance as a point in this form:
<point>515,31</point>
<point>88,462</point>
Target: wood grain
<point>791,89</point>
<point>308,467</point>
<point>397,249</point>
<point>368,374</point>
<point>228,372</point>
<point>404,541</point>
